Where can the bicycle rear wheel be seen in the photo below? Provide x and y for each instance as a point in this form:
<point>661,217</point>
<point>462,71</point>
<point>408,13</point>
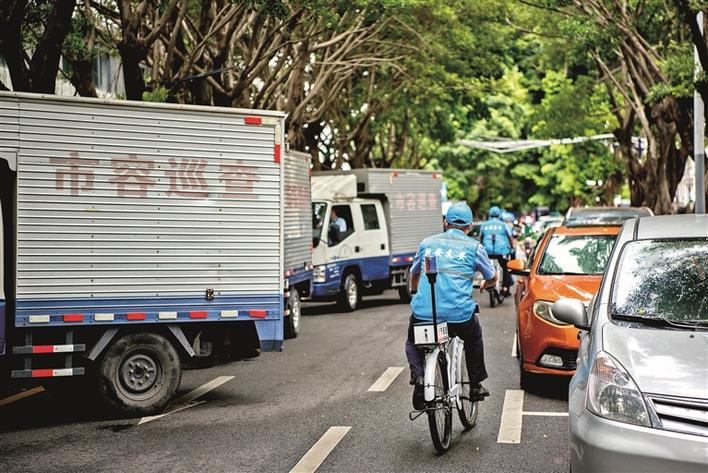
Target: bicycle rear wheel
<point>440,413</point>
<point>469,410</point>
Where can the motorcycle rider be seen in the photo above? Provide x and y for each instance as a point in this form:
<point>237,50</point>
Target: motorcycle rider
<point>458,258</point>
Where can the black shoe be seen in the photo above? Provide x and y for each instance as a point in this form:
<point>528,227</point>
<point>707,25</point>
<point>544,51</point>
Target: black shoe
<point>479,392</point>
<point>419,394</point>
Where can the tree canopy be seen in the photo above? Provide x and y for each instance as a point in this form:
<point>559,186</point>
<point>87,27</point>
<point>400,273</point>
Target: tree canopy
<point>398,82</point>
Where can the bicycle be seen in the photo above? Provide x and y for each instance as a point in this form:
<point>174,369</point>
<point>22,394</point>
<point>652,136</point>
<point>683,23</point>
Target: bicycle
<point>444,362</point>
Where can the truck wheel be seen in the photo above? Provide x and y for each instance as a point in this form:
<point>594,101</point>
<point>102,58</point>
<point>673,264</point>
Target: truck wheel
<point>139,374</point>
<point>292,321</point>
<point>349,296</point>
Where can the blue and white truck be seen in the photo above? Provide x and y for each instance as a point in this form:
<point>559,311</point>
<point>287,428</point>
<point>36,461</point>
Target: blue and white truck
<point>367,225</point>
<point>136,236</point>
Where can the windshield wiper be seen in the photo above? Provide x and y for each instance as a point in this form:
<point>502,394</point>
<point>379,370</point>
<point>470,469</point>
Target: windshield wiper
<point>655,321</point>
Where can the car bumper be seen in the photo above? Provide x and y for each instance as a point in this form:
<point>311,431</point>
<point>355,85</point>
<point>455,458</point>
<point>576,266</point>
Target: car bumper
<point>601,445</point>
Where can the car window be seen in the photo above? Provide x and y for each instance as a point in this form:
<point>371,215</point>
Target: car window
<point>577,254</point>
<point>663,279</point>
<point>371,218</point>
<point>341,227</point>
<point>319,212</point>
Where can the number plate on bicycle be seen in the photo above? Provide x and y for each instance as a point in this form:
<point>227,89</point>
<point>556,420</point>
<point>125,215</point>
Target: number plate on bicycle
<point>424,333</point>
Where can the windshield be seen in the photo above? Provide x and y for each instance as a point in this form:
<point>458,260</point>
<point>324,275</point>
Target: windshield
<point>319,212</point>
<point>577,254</point>
<point>663,279</point>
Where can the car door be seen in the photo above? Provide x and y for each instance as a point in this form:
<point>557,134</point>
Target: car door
<point>373,241</point>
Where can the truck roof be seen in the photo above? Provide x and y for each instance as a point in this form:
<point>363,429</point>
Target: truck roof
<point>133,103</point>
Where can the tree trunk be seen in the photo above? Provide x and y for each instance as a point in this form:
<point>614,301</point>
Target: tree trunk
<point>81,77</point>
<point>131,56</point>
<point>44,65</point>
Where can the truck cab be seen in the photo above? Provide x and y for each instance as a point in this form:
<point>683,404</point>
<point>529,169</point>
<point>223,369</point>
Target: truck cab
<point>351,248</point>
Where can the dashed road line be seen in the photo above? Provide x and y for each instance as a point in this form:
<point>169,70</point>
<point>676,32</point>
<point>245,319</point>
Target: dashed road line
<point>513,346</point>
<point>386,379</point>
<point>511,418</point>
<point>187,401</point>
<point>21,395</point>
<point>320,450</point>
<point>549,414</point>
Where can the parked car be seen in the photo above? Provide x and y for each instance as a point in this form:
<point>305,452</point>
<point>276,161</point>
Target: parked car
<point>639,398</point>
<point>604,215</point>
<point>568,262</point>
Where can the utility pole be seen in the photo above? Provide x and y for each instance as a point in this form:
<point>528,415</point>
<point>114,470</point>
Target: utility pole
<point>699,147</point>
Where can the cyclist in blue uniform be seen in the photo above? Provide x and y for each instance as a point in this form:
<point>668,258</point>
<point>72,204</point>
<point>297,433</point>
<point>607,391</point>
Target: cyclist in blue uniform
<point>458,258</point>
<point>498,240</point>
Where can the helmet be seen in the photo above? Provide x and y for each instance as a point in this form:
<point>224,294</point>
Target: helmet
<point>459,214</point>
<point>495,212</point>
<point>508,216</point>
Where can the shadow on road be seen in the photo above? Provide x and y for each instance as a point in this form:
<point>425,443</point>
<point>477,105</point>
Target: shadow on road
<point>329,308</point>
<point>554,387</point>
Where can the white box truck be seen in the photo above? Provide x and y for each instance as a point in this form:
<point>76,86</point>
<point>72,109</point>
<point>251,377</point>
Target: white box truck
<point>135,236</point>
<point>367,225</point>
<point>297,238</point>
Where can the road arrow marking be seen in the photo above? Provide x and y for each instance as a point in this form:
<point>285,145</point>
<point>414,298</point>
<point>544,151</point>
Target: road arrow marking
<point>187,401</point>
<point>385,379</point>
<point>320,450</point>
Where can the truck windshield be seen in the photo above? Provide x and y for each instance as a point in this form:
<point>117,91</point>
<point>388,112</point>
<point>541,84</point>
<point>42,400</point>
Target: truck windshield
<point>577,254</point>
<point>665,279</point>
<point>319,212</point>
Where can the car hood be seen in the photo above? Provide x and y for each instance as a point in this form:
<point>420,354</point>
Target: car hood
<point>668,362</point>
<point>553,288</point>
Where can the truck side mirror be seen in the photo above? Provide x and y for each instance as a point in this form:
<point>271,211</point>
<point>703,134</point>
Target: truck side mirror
<point>571,311</point>
<point>315,241</point>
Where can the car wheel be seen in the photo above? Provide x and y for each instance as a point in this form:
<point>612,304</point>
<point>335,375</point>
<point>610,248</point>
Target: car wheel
<point>292,321</point>
<point>350,296</point>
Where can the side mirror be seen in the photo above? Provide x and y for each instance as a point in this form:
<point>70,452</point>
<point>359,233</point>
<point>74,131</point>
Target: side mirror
<point>315,241</point>
<point>571,311</point>
<point>518,267</point>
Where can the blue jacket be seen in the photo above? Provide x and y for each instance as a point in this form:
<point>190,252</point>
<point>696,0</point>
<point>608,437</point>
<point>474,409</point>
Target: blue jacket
<point>458,258</point>
<point>496,237</point>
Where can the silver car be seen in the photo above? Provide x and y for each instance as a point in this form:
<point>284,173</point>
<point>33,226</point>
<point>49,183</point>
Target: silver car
<point>638,401</point>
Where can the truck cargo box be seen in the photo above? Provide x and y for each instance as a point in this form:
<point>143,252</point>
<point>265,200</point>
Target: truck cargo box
<point>130,212</point>
<point>298,216</point>
<point>414,203</point>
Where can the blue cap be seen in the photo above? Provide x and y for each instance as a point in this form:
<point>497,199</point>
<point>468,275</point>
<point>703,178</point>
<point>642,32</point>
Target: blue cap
<point>495,211</point>
<point>508,216</point>
<point>459,214</point>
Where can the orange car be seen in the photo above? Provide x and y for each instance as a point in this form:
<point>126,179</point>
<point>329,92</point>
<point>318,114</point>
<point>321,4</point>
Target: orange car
<point>567,262</point>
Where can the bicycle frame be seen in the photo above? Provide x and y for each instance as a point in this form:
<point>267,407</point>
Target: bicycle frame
<point>453,356</point>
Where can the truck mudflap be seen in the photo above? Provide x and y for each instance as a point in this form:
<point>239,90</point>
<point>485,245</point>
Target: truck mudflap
<point>270,334</point>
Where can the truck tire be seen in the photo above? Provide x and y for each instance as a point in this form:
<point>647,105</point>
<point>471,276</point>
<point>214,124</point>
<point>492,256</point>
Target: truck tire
<point>349,296</point>
<point>292,321</point>
<point>139,373</point>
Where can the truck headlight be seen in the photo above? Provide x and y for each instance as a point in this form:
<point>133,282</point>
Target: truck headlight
<point>544,309</point>
<point>319,273</point>
<point>613,394</point>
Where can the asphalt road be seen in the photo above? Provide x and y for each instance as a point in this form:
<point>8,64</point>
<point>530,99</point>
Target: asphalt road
<point>277,406</point>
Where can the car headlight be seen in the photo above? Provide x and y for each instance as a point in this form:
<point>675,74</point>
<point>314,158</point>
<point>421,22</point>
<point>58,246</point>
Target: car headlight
<point>613,394</point>
<point>319,273</point>
<point>544,309</point>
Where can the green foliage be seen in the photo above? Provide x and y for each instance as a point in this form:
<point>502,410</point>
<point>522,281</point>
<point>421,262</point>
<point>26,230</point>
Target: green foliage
<point>159,94</point>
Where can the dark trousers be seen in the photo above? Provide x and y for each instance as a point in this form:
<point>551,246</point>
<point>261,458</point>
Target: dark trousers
<point>507,280</point>
<point>470,332</point>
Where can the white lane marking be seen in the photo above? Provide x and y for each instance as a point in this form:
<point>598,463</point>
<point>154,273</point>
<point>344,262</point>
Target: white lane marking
<point>550,414</point>
<point>320,450</point>
<point>21,395</point>
<point>511,418</point>
<point>386,379</point>
<point>186,401</point>
<point>513,347</point>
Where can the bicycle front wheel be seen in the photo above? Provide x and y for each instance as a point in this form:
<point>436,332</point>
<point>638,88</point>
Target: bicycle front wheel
<point>468,411</point>
<point>440,411</point>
